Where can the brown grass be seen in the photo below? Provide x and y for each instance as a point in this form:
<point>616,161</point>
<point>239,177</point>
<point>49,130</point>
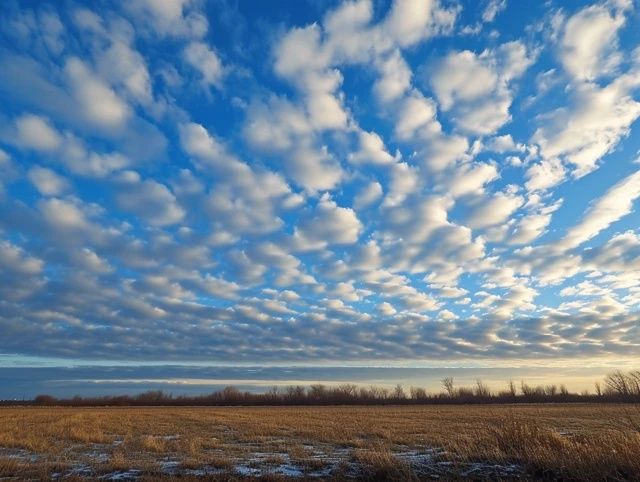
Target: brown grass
<point>380,464</point>
<point>569,442</point>
<point>9,467</point>
<point>598,455</point>
<point>154,444</point>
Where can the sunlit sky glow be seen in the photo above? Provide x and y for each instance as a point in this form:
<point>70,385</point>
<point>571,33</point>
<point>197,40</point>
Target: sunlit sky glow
<point>322,183</point>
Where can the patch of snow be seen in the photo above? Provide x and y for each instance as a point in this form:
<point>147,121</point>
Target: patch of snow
<point>247,471</point>
<point>169,466</point>
<point>325,472</point>
<point>19,454</point>
<point>422,456</point>
<point>81,470</point>
<point>289,470</point>
<point>491,471</point>
<point>203,471</point>
<point>97,456</point>
<point>126,475</point>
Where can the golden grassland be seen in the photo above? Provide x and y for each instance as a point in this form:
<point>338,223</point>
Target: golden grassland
<point>565,441</point>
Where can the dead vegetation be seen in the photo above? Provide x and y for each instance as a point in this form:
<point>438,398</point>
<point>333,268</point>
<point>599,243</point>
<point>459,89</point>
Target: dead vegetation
<point>617,387</point>
<point>567,442</point>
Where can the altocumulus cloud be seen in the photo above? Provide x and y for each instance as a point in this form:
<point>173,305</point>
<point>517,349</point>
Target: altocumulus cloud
<point>343,181</point>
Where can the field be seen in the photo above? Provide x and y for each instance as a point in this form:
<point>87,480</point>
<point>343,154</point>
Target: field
<point>504,442</point>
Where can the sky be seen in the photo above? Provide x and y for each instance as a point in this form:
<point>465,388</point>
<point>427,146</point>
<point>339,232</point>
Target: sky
<point>314,183</point>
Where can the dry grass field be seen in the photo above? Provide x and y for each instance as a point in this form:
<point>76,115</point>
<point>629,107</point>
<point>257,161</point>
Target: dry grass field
<point>525,442</point>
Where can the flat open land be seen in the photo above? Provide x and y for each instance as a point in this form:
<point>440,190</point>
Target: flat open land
<point>525,442</point>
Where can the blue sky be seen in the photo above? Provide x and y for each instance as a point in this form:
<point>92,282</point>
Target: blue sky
<point>320,182</point>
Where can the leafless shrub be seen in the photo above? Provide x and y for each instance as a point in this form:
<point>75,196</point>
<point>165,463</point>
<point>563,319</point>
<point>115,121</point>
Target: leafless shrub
<point>617,386</point>
<point>447,383</point>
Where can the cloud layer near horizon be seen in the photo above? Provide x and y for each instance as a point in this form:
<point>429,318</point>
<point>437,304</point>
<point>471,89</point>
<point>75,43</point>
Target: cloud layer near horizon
<point>187,180</point>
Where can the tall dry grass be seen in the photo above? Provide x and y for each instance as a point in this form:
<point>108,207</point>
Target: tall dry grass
<point>557,442</point>
<point>608,454</point>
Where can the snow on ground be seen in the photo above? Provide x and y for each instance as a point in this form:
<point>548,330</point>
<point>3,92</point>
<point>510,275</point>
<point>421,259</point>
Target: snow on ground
<point>326,460</point>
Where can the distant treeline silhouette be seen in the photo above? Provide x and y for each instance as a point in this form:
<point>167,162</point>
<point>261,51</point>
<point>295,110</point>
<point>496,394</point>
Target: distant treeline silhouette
<point>618,386</point>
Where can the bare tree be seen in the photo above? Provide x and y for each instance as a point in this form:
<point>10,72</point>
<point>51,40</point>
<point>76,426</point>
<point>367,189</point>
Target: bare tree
<point>618,383</point>
<point>482,390</point>
<point>447,383</point>
<point>526,389</point>
<point>398,392</point>
<point>418,393</point>
<point>512,388</point>
<point>634,382</point>
<point>318,392</point>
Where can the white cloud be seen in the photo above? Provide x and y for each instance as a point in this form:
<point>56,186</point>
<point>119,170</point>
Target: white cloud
<point>15,259</point>
<point>64,215</point>
<point>545,175</point>
<point>352,37</point>
<point>404,180</point>
<point>5,160</point>
<point>53,31</point>
<point>416,113</point>
<point>244,269</point>
<point>20,273</point>
<point>220,288</point>
<point>170,10</point>
<point>100,103</point>
<point>207,62</point>
<point>502,144</point>
<point>300,54</point>
<point>170,17</point>
<point>198,142</point>
<point>470,179</point>
<point>37,133</point>
<point>440,152</point>
<point>451,79</point>
<point>280,128</point>
<point>419,302</point>
<point>447,315</point>
<point>417,224</point>
<point>372,150</point>
<point>47,182</point>
<point>588,47</point>
<point>307,59</point>
<point>386,309</point>
<point>326,112</point>
<point>410,21</point>
<point>493,8</point>
<point>598,118</point>
<point>7,172</point>
<point>151,201</point>
<point>518,298</point>
<point>451,291</point>
<point>317,211</point>
<point>330,224</point>
<point>243,199</point>
<point>493,211</point>
<point>395,78</point>
<point>481,106</point>
<point>620,254</point>
<point>75,155</point>
<point>124,66</point>
<point>616,203</point>
<point>368,195</point>
<point>529,228</point>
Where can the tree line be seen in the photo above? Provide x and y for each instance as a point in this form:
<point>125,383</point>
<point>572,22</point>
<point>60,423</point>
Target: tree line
<point>617,386</point>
